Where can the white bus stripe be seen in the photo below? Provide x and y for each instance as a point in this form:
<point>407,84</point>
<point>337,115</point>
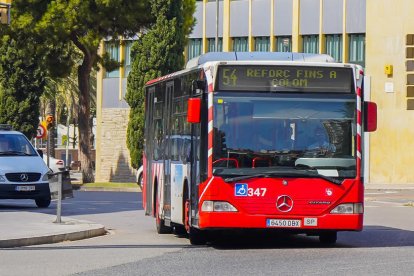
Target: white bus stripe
<point>210,100</point>
<point>205,189</point>
<point>210,126</point>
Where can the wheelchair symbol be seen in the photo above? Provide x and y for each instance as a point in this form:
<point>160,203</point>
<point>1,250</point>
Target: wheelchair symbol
<point>241,189</point>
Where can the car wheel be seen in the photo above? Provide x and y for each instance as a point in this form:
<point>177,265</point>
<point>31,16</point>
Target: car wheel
<point>42,202</point>
<point>140,180</point>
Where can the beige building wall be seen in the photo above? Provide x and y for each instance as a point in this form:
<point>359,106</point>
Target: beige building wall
<point>392,145</point>
<point>113,158</point>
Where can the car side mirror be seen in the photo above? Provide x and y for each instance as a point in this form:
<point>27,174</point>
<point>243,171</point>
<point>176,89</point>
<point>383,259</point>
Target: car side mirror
<point>40,152</point>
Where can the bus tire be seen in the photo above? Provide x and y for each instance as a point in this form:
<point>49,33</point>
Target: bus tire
<point>197,237</point>
<point>159,223</point>
<point>328,237</point>
<point>179,230</point>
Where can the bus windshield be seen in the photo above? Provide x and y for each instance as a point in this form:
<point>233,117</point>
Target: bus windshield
<point>269,132</point>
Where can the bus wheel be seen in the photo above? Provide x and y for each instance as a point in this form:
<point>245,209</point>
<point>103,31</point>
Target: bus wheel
<point>179,230</point>
<point>328,237</point>
<point>159,223</point>
<point>197,237</point>
<point>187,215</point>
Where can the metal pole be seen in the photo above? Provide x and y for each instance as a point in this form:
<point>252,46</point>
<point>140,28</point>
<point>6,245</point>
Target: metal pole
<point>217,25</point>
<point>48,147</point>
<point>59,203</point>
<point>67,136</point>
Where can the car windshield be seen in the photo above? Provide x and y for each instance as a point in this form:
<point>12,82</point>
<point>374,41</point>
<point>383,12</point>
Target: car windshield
<point>15,145</point>
<point>284,132</point>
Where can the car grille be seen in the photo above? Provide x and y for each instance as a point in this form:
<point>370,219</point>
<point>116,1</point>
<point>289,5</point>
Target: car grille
<point>19,177</point>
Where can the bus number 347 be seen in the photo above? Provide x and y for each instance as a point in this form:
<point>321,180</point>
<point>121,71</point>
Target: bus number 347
<point>256,192</point>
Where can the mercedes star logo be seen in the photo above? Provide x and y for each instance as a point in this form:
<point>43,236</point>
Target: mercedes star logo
<point>284,203</point>
<point>24,177</point>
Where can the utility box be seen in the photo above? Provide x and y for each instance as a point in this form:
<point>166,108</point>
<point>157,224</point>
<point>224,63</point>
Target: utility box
<point>388,69</point>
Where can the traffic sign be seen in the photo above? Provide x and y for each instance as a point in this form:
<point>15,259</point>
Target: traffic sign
<point>41,132</point>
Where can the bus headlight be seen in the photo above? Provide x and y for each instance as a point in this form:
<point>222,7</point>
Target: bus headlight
<point>217,206</point>
<point>348,208</point>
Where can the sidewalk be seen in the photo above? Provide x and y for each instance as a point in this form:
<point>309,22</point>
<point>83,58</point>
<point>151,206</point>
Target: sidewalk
<point>373,186</point>
<point>30,228</point>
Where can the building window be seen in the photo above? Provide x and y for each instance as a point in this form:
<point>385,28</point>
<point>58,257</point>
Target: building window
<point>310,44</point>
<point>128,61</point>
<point>194,47</point>
<point>284,43</point>
<point>334,46</point>
<point>212,44</point>
<point>262,44</point>
<point>240,44</point>
<point>112,49</point>
<point>357,49</point>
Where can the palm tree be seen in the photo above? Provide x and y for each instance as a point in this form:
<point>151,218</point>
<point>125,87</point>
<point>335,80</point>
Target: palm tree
<point>61,97</point>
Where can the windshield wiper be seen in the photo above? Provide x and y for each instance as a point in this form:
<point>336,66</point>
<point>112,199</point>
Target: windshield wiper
<point>289,173</point>
<point>243,177</point>
<point>327,178</point>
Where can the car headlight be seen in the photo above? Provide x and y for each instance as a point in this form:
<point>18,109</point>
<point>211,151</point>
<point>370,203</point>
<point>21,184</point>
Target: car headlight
<point>45,177</point>
<point>348,208</point>
<point>2,179</point>
<point>217,206</point>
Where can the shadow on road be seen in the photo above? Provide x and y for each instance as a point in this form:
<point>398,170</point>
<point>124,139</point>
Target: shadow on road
<point>370,237</point>
<point>83,203</point>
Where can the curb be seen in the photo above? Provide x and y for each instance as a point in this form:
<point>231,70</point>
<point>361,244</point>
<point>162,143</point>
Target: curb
<point>103,189</point>
<point>55,238</point>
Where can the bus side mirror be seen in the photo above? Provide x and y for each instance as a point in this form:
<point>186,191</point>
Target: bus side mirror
<point>370,122</point>
<point>194,110</point>
<point>197,86</point>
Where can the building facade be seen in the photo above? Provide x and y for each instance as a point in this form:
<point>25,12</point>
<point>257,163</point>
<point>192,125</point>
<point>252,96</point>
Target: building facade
<point>5,11</point>
<point>377,34</point>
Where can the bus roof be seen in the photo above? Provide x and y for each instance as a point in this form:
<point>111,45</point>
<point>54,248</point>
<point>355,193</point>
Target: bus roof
<point>257,56</point>
<point>251,58</point>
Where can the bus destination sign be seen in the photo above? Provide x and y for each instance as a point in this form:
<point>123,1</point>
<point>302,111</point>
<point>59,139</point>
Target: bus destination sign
<point>280,78</point>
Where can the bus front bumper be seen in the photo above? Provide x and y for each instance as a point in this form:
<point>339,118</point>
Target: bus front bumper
<point>338,222</point>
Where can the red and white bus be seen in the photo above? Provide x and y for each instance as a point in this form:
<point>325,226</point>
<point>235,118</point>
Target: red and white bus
<point>257,141</point>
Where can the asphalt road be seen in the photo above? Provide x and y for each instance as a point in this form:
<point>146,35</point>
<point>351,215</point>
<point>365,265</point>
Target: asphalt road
<point>385,247</point>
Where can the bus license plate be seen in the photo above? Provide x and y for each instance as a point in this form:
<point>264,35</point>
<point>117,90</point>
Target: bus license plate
<point>25,188</point>
<point>289,223</point>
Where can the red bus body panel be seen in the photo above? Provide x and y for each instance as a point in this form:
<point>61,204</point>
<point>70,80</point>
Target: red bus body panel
<point>312,198</point>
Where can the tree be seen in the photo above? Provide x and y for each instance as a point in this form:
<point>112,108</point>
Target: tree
<point>22,81</point>
<point>158,52</point>
<point>83,23</point>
